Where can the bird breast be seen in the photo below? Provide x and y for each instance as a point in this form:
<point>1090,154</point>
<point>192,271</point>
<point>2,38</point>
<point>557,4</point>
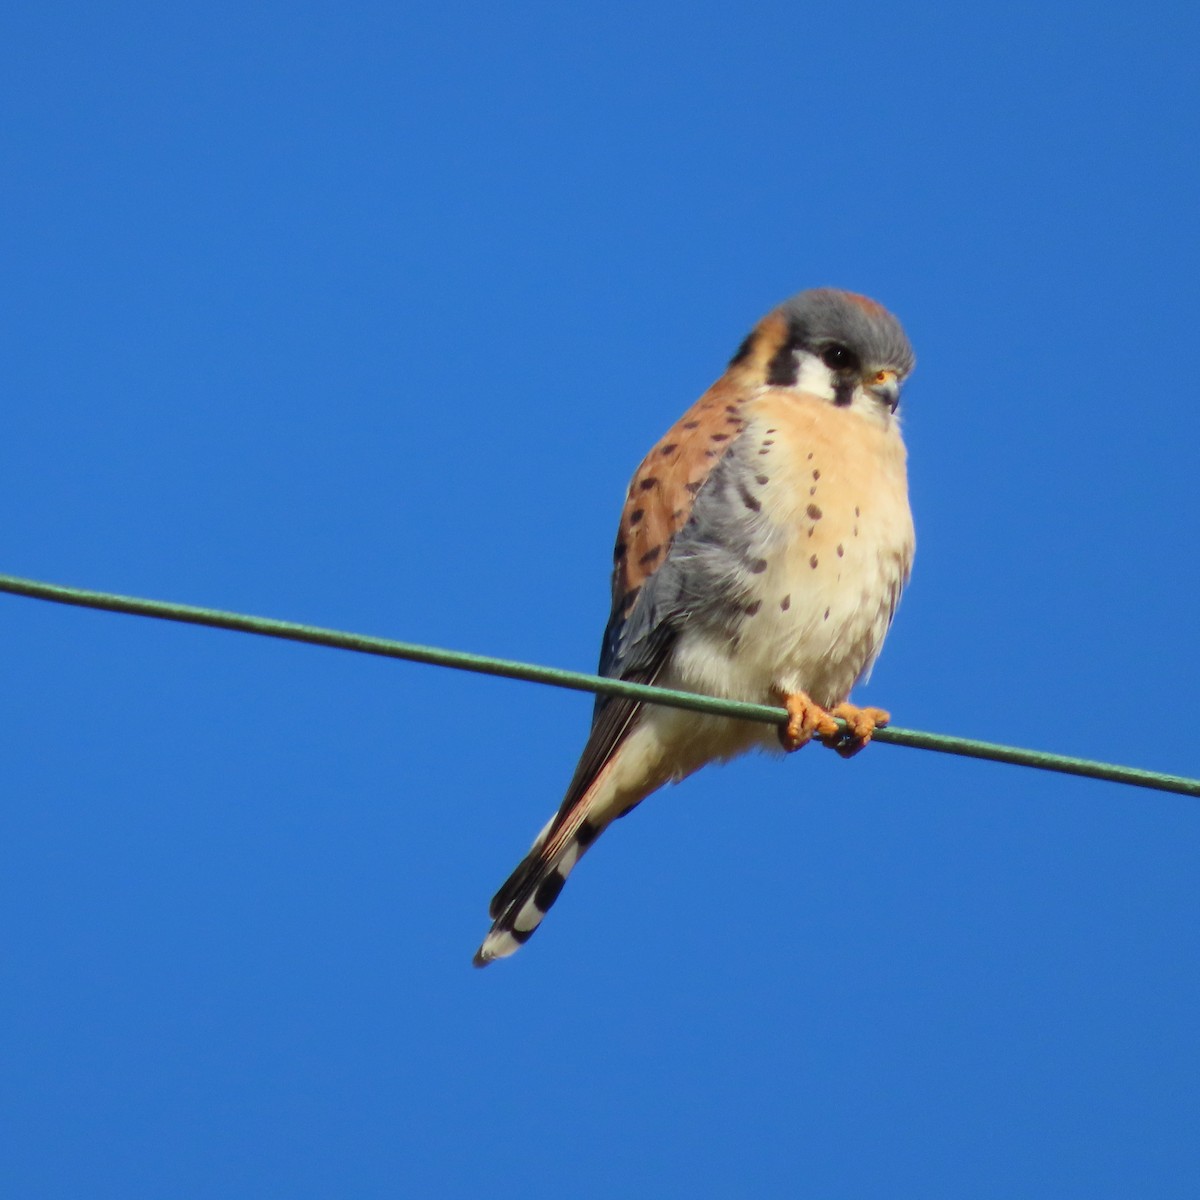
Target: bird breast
<point>819,498</point>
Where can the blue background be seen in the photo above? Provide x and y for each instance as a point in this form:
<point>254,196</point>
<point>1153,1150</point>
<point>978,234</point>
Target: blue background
<point>362,315</point>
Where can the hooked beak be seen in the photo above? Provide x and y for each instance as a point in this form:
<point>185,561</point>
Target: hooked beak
<point>885,387</point>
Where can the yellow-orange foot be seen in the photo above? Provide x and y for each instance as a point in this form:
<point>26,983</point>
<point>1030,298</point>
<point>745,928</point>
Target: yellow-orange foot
<point>806,719</point>
<point>861,723</point>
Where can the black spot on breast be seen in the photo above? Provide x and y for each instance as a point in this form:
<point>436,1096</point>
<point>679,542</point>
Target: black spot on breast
<point>749,500</point>
<point>636,515</point>
<point>753,607</point>
<point>648,483</point>
<point>785,603</point>
<point>757,566</point>
<point>814,512</point>
<point>651,556</point>
<point>548,890</point>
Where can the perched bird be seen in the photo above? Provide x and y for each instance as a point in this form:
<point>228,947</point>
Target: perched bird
<point>761,553</point>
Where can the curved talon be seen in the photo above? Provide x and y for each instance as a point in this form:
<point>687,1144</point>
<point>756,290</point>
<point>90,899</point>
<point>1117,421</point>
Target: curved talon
<point>861,723</point>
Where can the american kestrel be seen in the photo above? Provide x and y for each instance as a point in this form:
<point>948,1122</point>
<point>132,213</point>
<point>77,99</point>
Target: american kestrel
<point>761,553</point>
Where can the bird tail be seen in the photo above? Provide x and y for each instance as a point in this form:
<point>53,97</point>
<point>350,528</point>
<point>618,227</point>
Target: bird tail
<point>526,896</point>
<point>614,775</point>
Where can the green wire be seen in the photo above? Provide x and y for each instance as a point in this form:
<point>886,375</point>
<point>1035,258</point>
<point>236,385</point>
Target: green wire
<point>576,680</point>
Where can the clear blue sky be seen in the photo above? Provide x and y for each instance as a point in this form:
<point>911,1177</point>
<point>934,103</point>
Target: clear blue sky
<point>362,315</point>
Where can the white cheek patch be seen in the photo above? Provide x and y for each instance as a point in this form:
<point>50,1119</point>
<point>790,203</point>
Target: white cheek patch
<point>813,376</point>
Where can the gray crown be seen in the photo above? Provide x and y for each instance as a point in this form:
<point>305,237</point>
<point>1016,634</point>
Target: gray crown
<point>823,316</point>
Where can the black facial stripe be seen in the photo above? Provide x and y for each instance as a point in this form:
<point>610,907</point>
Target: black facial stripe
<point>783,370</point>
<point>743,351</point>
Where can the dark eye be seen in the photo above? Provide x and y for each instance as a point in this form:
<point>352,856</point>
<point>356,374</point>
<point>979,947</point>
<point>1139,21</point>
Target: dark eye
<point>839,358</point>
